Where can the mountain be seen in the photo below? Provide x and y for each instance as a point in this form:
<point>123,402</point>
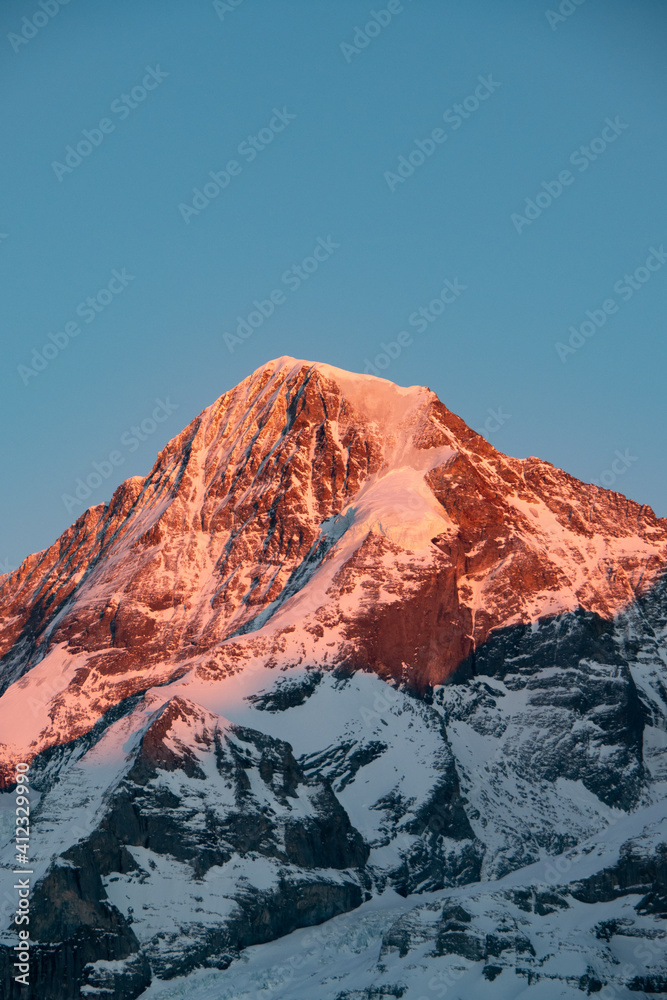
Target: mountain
<point>337,661</point>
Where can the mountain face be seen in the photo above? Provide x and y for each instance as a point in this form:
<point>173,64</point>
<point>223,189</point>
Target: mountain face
<point>337,661</point>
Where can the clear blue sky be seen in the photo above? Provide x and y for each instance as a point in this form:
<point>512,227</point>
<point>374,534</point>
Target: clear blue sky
<point>338,117</point>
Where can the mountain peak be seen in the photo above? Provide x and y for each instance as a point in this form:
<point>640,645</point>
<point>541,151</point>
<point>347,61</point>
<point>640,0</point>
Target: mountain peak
<point>310,515</point>
<point>286,365</point>
<point>374,398</point>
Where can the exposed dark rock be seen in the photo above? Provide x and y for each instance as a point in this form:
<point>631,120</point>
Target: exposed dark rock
<point>287,693</point>
<point>635,872</point>
<point>374,993</point>
<point>591,683</point>
<point>341,763</point>
<point>260,917</point>
<point>460,943</point>
<point>491,972</point>
<point>590,983</point>
<point>73,924</point>
<point>649,984</point>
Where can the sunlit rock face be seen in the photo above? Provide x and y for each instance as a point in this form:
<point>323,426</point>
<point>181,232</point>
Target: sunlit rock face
<point>309,516</point>
<point>336,649</point>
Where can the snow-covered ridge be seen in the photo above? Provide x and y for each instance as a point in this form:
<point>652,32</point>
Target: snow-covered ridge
<point>288,523</point>
<point>336,653</point>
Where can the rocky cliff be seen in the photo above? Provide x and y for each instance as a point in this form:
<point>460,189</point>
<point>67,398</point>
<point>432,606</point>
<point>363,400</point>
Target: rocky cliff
<point>336,650</point>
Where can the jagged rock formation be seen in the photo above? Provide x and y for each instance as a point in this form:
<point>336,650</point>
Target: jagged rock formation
<point>336,649</point>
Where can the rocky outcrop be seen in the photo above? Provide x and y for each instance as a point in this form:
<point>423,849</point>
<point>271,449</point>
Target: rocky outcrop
<point>217,803</point>
<point>637,872</point>
<point>72,925</point>
<point>407,540</point>
<point>336,646</point>
<point>582,702</point>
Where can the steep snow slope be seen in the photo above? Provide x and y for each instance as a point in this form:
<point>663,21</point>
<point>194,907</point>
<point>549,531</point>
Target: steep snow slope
<point>287,524</point>
<point>337,653</point>
<point>529,935</point>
